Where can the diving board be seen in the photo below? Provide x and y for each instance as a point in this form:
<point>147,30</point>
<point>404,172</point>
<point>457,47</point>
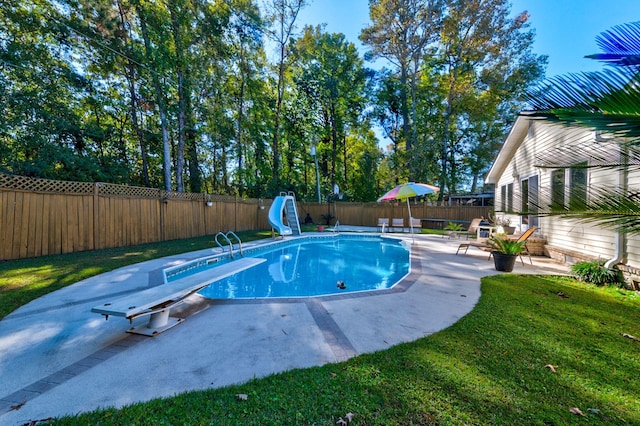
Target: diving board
<point>158,301</point>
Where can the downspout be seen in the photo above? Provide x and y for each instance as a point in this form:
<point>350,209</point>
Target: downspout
<point>620,239</point>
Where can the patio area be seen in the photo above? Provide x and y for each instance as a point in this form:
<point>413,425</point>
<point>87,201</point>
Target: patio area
<point>59,358</point>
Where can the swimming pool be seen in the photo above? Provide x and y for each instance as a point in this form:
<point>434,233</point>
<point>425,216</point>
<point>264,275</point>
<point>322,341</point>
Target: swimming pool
<point>314,266</point>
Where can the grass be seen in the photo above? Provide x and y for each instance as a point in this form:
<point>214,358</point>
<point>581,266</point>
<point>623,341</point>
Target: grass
<point>491,367</point>
<point>22,281</point>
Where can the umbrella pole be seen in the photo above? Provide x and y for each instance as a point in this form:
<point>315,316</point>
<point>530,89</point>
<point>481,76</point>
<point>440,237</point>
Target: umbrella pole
<point>410,221</point>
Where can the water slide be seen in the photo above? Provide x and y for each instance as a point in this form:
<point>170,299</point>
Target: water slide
<point>284,204</point>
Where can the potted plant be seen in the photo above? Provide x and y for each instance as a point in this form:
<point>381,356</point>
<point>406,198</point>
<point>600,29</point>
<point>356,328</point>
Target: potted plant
<point>505,251</point>
<point>503,225</point>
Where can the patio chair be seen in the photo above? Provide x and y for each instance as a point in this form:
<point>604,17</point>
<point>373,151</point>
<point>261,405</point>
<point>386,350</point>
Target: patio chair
<point>415,223</point>
<point>484,246</point>
<point>383,222</point>
<point>473,227</point>
<point>398,222</point>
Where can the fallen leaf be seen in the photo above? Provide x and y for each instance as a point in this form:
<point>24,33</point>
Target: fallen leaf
<point>333,375</point>
<point>349,416</point>
<point>283,315</point>
<point>17,406</point>
<point>628,336</point>
<point>38,422</point>
<point>563,295</point>
<point>242,396</point>
<point>551,367</point>
<point>576,411</point>
<point>341,421</point>
<point>593,410</point>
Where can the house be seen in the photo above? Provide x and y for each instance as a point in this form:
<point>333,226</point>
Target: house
<point>545,167</point>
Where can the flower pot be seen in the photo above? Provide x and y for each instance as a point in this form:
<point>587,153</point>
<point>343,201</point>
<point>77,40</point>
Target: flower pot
<point>320,228</point>
<point>504,262</point>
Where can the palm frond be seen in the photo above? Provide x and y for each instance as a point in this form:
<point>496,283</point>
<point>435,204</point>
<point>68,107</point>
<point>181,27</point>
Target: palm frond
<point>620,45</point>
<point>605,101</point>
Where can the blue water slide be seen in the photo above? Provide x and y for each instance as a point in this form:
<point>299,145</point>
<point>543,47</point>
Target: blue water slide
<point>275,215</point>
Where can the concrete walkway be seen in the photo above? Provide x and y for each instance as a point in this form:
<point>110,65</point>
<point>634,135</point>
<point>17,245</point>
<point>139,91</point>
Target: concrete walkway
<point>58,358</point>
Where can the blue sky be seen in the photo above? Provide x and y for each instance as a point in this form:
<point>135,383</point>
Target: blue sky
<point>565,29</point>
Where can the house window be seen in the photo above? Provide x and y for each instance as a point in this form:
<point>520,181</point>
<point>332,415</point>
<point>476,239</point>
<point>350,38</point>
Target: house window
<point>510,197</point>
<point>529,205</point>
<point>557,190</point>
<point>506,198</point>
<point>578,186</point>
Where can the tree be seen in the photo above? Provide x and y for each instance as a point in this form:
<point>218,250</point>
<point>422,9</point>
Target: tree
<point>609,102</point>
<point>484,58</point>
<point>332,76</point>
<point>400,32</point>
<point>283,15</point>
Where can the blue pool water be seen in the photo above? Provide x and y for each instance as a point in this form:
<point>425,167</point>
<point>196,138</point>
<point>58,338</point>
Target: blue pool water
<point>313,267</point>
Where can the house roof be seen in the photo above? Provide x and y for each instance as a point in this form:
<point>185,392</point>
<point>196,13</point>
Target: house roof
<point>509,147</point>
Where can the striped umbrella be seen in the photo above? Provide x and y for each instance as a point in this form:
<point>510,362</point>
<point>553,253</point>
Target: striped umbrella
<point>408,190</point>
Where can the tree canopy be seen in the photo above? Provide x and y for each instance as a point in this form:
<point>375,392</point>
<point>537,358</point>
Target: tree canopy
<point>229,96</point>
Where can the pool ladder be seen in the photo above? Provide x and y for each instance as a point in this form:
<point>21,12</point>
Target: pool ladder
<point>228,240</point>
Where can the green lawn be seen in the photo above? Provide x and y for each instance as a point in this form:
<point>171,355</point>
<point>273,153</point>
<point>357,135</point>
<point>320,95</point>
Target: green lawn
<point>491,367</point>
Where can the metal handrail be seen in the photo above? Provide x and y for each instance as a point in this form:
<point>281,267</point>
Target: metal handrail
<point>237,238</point>
<point>228,240</point>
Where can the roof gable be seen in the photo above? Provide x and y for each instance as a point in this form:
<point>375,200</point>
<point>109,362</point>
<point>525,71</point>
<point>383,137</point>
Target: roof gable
<point>511,144</point>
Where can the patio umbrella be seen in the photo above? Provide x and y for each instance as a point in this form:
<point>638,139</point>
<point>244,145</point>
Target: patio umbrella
<point>408,190</point>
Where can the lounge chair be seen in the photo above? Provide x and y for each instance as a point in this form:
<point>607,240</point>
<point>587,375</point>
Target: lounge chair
<point>483,246</point>
<point>383,222</point>
<point>398,222</point>
<point>472,229</point>
<point>415,223</point>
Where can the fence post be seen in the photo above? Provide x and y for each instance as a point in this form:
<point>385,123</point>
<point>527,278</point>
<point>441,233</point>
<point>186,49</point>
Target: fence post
<point>96,216</point>
<point>163,201</point>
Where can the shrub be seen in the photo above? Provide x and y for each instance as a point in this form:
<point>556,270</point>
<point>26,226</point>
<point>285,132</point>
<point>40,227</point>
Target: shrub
<point>594,272</point>
<point>455,227</point>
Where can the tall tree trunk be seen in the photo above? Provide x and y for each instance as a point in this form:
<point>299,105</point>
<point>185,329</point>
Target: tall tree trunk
<point>275,145</point>
<point>162,110</point>
<point>285,13</point>
<point>406,125</point>
<point>177,37</point>
<point>195,180</point>
<point>239,124</point>
<point>131,75</point>
<point>334,144</point>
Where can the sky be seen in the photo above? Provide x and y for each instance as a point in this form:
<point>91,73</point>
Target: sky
<point>566,30</point>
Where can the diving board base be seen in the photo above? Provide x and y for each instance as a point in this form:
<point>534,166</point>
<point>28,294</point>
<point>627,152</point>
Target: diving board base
<point>153,330</point>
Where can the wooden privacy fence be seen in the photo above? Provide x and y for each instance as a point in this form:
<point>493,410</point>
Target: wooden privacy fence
<point>41,217</point>
<point>367,214</point>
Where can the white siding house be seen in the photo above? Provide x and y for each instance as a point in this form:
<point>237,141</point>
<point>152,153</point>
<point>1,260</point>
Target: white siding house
<point>543,166</point>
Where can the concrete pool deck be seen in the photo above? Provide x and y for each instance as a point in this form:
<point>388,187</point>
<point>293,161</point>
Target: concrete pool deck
<point>57,358</point>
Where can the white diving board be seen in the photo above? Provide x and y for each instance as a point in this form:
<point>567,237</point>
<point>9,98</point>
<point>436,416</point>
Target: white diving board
<point>158,301</point>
